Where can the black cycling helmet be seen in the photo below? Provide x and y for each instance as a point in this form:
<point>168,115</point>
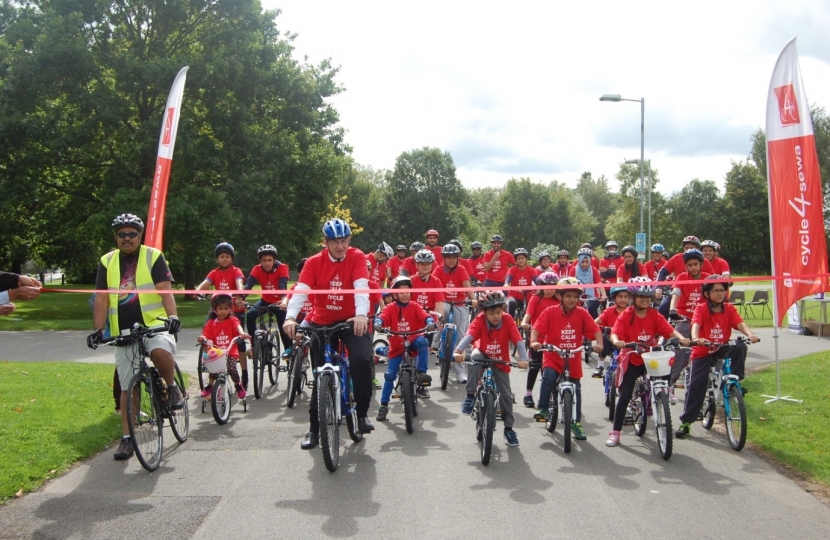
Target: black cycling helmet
<point>267,249</point>
<point>301,265</point>
<point>496,238</point>
<point>491,299</point>
<point>475,245</point>
<point>520,251</point>
<point>400,281</point>
<point>456,242</point>
<point>416,246</point>
<point>709,282</point>
<point>693,253</point>
<point>127,220</point>
<point>450,250</point>
<point>630,249</point>
<point>224,247</point>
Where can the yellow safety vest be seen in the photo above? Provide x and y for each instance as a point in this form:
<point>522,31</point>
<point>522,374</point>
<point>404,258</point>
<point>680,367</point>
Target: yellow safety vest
<point>151,306</point>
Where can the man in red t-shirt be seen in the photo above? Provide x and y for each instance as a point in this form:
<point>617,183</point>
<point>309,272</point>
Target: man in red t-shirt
<point>378,261</point>
<point>656,263</point>
<point>478,275</point>
<point>496,263</point>
<point>408,267</point>
<point>393,267</point>
<point>431,237</point>
<point>337,266</point>
<point>713,322</point>
<point>521,275</point>
<point>711,250</point>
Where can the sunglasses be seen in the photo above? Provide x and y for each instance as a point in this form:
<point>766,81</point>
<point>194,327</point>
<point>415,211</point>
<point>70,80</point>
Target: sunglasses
<point>130,235</point>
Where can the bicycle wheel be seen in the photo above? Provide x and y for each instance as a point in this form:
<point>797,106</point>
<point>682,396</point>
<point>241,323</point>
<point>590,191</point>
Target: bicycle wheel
<point>553,412</point>
<point>735,415</point>
<point>180,419</point>
<point>146,426</point>
<point>488,426</point>
<point>640,418</point>
<point>259,374</point>
<point>256,360</point>
<point>407,398</point>
<point>200,369</point>
<point>448,345</point>
<point>220,402</point>
<point>295,375</point>
<point>708,412</point>
<point>662,422</point>
<point>567,418</point>
<point>329,424</point>
<point>612,396</point>
<point>275,358</point>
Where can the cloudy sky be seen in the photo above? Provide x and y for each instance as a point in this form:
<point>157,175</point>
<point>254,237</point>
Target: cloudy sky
<point>511,89</point>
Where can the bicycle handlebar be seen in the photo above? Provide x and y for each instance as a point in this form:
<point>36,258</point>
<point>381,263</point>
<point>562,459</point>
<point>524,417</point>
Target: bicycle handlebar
<point>673,343</point>
<point>390,332</point>
<point>728,343</point>
<point>137,331</point>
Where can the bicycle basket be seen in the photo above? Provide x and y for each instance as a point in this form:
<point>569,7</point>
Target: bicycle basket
<point>215,360</point>
<point>658,364</point>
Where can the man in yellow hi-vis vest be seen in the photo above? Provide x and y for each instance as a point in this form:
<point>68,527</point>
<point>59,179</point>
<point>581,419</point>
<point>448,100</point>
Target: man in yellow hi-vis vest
<point>135,267</point>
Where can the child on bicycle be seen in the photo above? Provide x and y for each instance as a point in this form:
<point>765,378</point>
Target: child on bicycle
<point>227,277</point>
<point>713,321</point>
<point>402,316</point>
<point>520,275</point>
<point>452,275</point>
<point>565,327</point>
<point>493,331</point>
<point>271,275</point>
<point>223,332</point>
<point>638,323</point>
<point>587,274</point>
<point>430,301</point>
<point>543,262</point>
<point>606,319</point>
<point>538,303</point>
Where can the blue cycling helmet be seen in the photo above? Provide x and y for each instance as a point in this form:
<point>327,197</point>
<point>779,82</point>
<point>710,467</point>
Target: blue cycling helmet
<point>658,248</point>
<point>616,290</point>
<point>693,253</point>
<point>336,228</point>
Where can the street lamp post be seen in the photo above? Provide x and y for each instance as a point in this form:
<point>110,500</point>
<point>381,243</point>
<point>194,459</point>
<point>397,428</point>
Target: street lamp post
<point>642,102</point>
<point>648,189</point>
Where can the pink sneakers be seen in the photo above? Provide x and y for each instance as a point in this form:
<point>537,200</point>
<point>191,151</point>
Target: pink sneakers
<point>240,392</point>
<point>613,439</point>
<point>206,393</point>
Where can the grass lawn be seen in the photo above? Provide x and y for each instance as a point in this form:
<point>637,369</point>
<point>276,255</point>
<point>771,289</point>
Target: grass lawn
<point>71,311</point>
<point>51,415</point>
<point>797,434</point>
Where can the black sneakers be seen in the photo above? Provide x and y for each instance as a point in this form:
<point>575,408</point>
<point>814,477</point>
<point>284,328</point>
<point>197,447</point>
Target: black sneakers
<point>174,395</point>
<point>125,449</point>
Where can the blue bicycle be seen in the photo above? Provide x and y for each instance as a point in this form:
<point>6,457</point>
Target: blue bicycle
<point>449,336</point>
<point>333,381</point>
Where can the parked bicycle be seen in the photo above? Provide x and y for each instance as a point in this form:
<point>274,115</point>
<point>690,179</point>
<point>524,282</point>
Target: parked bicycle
<point>484,404</point>
<point>407,382</point>
<point>725,389</point>
<point>335,396</point>
<point>148,406</point>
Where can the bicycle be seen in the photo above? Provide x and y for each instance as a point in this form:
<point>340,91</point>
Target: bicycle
<point>335,396</point>
<point>446,346</point>
<point>221,391</point>
<point>298,368</point>
<point>608,379</point>
<point>683,379</point>
<point>266,348</point>
<point>562,396</point>
<point>407,382</point>
<point>148,406</point>
<point>484,404</point>
<point>651,394</point>
<point>725,388</point>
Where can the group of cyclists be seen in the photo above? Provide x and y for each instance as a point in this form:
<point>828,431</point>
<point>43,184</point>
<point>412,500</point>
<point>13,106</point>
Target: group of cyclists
<point>505,306</point>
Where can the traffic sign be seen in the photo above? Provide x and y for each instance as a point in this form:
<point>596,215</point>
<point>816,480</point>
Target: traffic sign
<point>641,242</point>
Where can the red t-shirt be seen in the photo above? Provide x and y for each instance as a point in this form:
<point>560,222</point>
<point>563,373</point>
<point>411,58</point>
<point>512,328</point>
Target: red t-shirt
<point>715,327</point>
<point>690,295</point>
<point>222,332</point>
<point>537,304</point>
<point>498,271</point>
<point>495,342</point>
<point>561,269</point>
<point>402,318</point>
<point>321,273</point>
<point>468,265</point>
<point>427,300</point>
<point>612,263</point>
<point>408,265</point>
<point>624,275</point>
<point>375,299</point>
<point>629,327</point>
<point>608,317</point>
<point>394,266</point>
<point>270,281</point>
<point>378,270</point>
<point>653,268</point>
<point>478,268</point>
<point>597,278</point>
<point>520,277</point>
<point>677,266</point>
<point>224,279</point>
<point>307,306</point>
<point>720,266</point>
<point>566,331</point>
<point>451,279</point>
<point>436,250</point>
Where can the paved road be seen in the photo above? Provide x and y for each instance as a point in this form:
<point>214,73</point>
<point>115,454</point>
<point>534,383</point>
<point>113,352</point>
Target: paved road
<point>249,479</point>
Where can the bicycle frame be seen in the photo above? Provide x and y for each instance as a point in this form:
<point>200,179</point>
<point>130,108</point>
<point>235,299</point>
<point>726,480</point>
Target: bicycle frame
<point>563,382</point>
<point>339,365</point>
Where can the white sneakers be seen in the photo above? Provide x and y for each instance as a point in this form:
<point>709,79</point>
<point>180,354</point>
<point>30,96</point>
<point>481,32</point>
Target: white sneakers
<point>460,373</point>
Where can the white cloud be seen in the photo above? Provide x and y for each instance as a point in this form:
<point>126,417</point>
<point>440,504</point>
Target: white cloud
<point>513,89</point>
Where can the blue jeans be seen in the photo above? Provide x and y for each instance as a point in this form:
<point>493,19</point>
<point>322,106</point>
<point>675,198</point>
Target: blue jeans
<point>549,378</point>
<point>421,345</point>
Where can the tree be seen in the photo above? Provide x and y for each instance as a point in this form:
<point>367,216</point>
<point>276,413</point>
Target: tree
<point>526,213</point>
<point>82,91</point>
<point>367,201</point>
<point>601,202</point>
<point>696,210</point>
<point>744,238</point>
<point>423,190</point>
